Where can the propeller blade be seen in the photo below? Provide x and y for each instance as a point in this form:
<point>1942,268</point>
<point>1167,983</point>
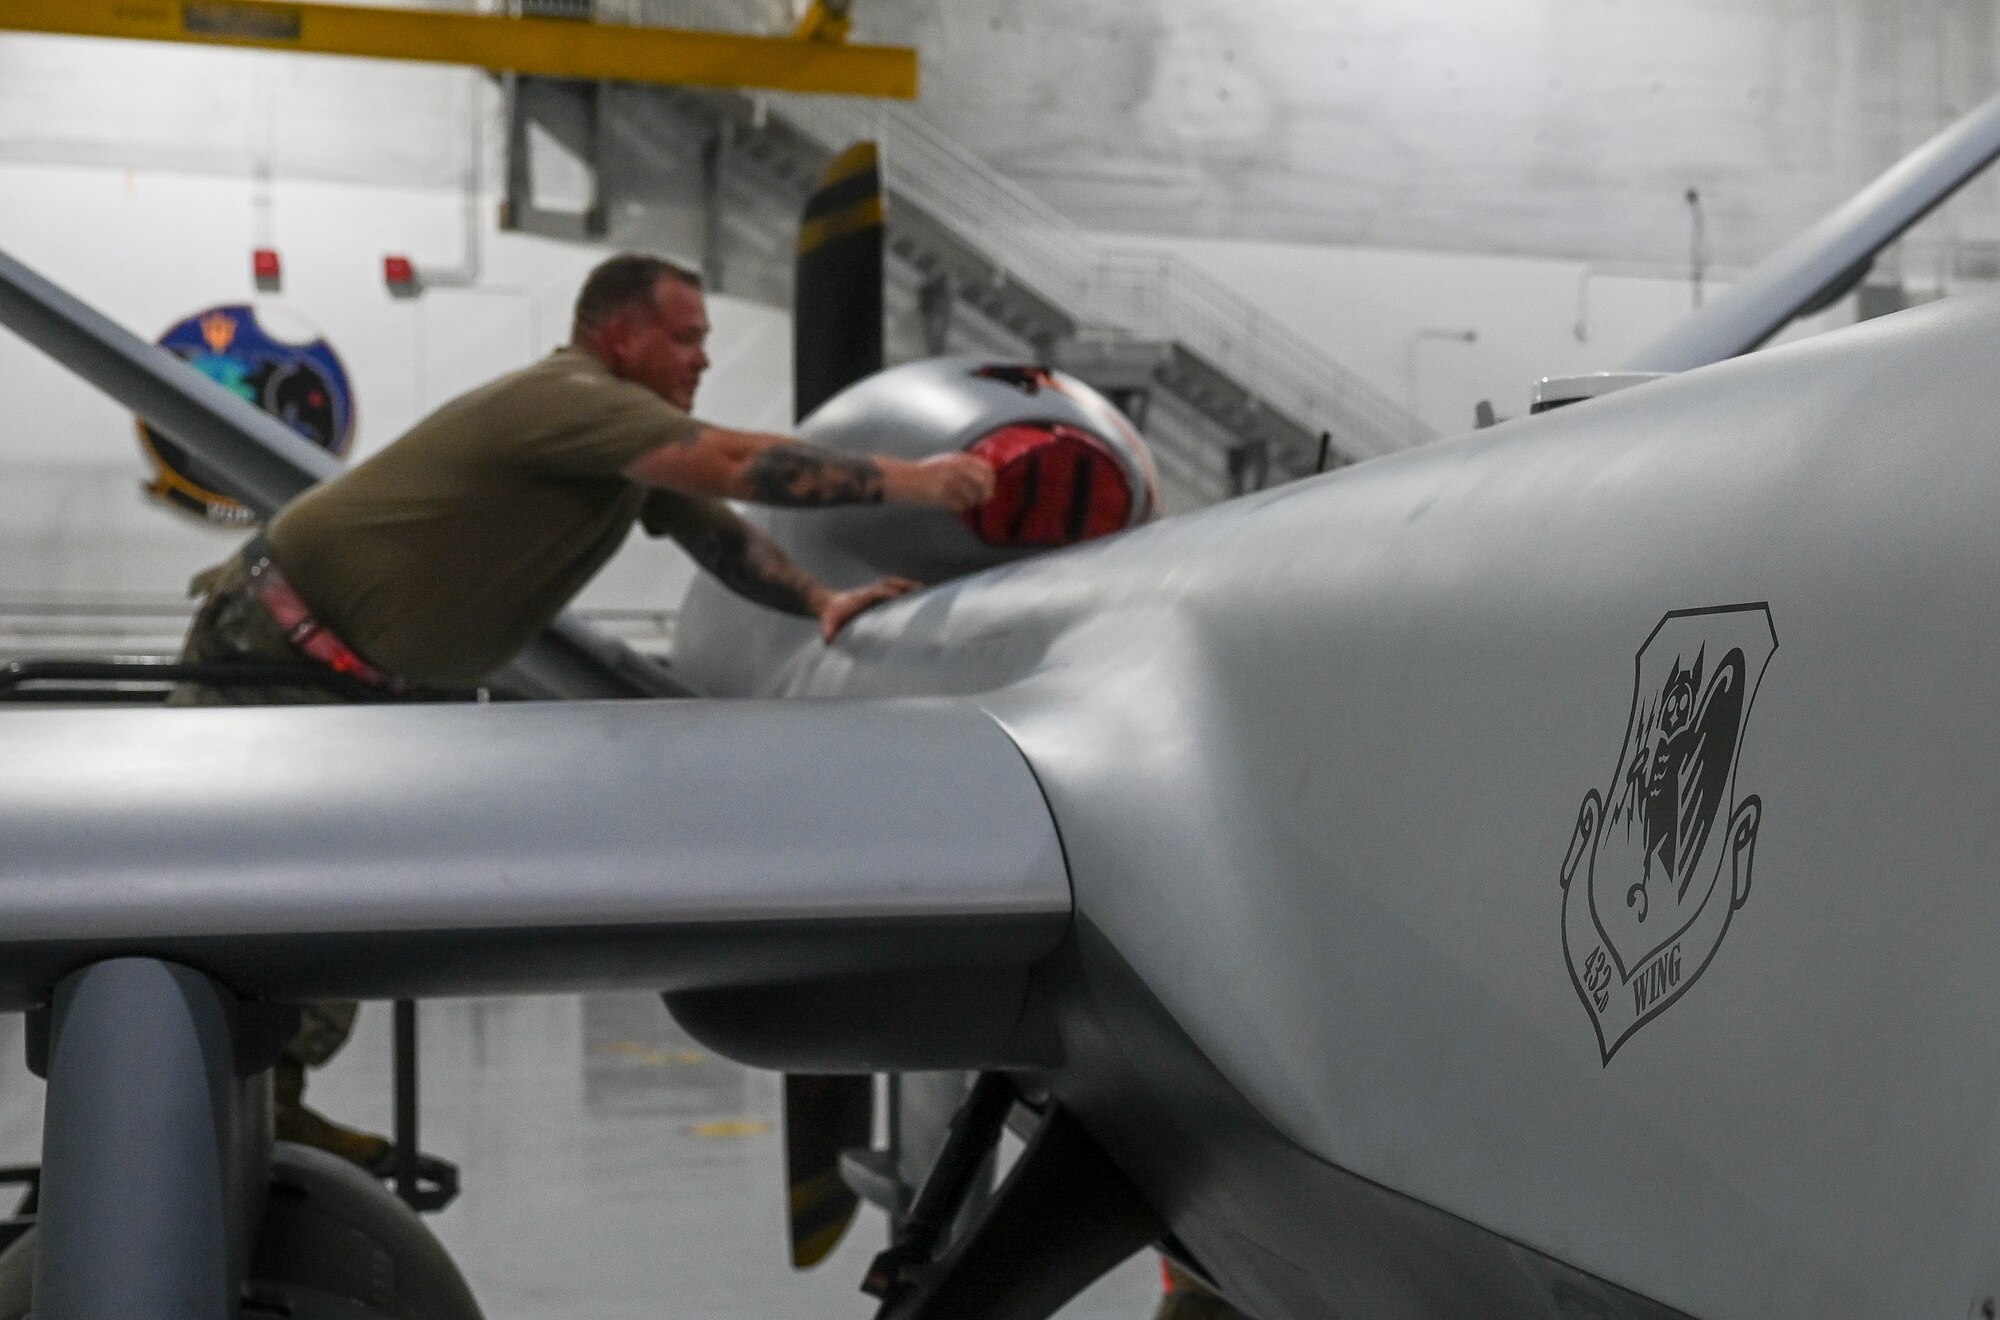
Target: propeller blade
<point>824,1115</point>
<point>837,292</point>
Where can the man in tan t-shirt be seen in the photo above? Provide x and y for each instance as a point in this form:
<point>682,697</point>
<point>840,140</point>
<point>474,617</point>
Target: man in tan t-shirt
<point>428,566</point>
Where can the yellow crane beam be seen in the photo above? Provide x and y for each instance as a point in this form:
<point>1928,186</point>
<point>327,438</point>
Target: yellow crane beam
<point>814,59</point>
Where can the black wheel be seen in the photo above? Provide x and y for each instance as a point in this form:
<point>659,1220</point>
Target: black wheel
<point>334,1245</point>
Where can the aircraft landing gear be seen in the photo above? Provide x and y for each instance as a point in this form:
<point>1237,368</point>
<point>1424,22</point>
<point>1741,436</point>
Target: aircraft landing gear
<point>1063,1206</point>
<point>334,1244</point>
<point>160,1190</point>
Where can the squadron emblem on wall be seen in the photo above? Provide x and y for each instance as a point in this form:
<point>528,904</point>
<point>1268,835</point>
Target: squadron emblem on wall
<point>300,381</point>
<point>1661,859</point>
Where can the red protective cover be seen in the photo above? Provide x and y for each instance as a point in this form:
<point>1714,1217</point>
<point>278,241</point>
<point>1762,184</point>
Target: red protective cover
<point>1054,485</point>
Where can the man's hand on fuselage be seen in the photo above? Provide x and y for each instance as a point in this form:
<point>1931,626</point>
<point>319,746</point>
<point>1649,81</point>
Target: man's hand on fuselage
<point>770,469</point>
<point>751,564</point>
<point>840,607</point>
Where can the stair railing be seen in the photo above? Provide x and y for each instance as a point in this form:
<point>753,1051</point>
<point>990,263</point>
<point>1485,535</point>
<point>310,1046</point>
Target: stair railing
<point>1104,289</point>
<point>1150,295</point>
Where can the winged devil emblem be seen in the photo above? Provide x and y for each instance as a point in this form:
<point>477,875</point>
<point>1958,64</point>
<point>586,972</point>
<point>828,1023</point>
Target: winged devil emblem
<point>1654,905</point>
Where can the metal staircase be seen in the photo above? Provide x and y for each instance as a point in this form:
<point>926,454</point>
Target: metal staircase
<point>1206,345</point>
<point>1232,399</point>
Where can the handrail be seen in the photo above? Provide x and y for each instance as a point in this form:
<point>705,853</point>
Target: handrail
<point>1099,286</point>
<point>1151,295</point>
<point>92,675</point>
<point>1199,311</point>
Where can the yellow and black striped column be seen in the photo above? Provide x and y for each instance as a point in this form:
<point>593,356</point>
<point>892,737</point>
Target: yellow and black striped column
<point>837,295</point>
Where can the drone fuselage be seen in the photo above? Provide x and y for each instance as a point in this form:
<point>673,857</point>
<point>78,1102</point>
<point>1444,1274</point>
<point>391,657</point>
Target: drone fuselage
<point>1360,991</point>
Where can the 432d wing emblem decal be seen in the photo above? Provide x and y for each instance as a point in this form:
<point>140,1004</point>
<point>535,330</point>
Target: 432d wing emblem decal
<point>1661,859</point>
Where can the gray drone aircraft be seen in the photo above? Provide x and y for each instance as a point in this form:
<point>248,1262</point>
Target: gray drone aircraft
<point>1536,876</point>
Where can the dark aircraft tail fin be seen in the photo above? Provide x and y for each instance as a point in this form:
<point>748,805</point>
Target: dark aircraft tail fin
<point>837,292</point>
<point>824,1115</point>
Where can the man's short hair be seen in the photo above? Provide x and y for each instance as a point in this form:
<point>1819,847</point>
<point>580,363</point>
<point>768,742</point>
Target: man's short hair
<point>623,283</point>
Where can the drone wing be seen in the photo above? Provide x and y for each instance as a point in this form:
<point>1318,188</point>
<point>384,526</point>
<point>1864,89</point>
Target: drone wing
<point>824,880</point>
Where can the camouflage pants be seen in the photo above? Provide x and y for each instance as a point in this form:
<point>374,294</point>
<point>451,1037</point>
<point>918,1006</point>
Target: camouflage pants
<point>233,625</point>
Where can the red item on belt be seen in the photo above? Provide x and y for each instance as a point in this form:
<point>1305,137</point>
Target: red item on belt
<point>313,638</point>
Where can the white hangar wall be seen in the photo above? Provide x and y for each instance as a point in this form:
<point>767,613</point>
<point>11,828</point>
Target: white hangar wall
<point>1553,128</point>
<point>1560,128</point>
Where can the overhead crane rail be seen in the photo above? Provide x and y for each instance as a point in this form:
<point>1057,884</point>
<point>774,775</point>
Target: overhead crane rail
<point>815,58</point>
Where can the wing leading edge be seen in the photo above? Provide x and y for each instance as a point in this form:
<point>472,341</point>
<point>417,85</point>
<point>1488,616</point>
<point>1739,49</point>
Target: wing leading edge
<point>861,867</point>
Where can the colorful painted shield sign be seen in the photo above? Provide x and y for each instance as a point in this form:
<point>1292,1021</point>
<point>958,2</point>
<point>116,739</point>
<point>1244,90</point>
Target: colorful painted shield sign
<point>1660,860</point>
<point>301,382</point>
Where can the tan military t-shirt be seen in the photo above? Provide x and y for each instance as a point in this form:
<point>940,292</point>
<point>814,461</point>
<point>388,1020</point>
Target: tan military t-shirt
<point>439,557</point>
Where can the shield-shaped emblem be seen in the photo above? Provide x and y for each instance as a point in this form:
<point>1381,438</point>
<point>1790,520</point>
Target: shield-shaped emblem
<point>299,380</point>
<point>1659,861</point>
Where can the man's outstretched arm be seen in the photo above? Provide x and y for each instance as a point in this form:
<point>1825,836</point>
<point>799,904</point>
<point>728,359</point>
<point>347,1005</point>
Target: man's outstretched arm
<point>770,469</point>
<point>753,566</point>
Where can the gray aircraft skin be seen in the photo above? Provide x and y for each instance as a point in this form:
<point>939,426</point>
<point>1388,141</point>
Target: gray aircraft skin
<point>1534,876</point>
<point>1318,759</point>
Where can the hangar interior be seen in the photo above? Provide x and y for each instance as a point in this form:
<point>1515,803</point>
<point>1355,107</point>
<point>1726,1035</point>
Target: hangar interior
<point>1250,226</point>
<point>1385,217</point>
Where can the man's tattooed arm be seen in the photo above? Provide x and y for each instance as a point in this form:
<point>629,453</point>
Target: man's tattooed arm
<point>806,476</point>
<point>750,563</point>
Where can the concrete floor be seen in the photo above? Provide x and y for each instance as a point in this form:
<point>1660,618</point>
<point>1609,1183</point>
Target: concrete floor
<point>612,1169</point>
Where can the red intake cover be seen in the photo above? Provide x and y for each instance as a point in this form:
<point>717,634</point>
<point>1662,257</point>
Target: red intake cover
<point>1054,485</point>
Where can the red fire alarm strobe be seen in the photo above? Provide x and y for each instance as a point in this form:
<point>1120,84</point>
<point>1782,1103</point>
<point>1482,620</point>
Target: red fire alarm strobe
<point>400,274</point>
<point>264,269</point>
